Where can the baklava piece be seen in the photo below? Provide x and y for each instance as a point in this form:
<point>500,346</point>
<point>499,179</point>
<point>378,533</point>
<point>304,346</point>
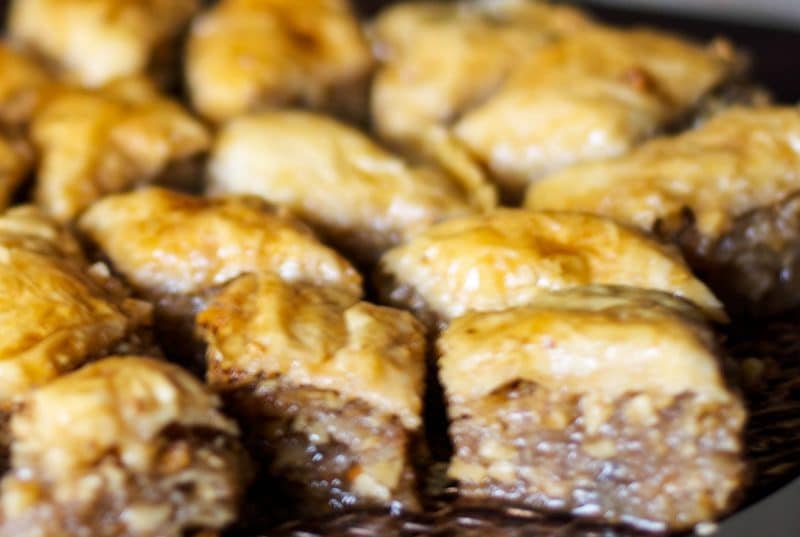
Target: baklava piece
<point>726,192</point>
<point>22,82</point>
<point>609,403</point>
<point>91,42</point>
<point>125,447</point>
<point>438,60</point>
<point>176,249</point>
<point>15,163</point>
<point>585,92</point>
<point>354,193</point>
<point>511,257</point>
<point>97,142</point>
<point>57,312</point>
<point>248,55</point>
<point>593,95</point>
<point>329,389</point>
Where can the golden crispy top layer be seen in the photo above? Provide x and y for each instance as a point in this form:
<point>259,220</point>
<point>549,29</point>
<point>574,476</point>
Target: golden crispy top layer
<point>333,176</point>
<point>512,257</point>
<point>95,41</point>
<point>165,242</point>
<point>742,159</point>
<point>260,327</point>
<point>56,312</point>
<point>93,143</point>
<point>15,162</point>
<point>250,54</point>
<point>591,95</point>
<point>603,340</point>
<point>20,86</point>
<point>441,57</point>
<point>116,405</point>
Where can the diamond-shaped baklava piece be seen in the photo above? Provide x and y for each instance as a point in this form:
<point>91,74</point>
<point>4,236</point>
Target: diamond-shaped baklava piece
<point>127,446</point>
<point>605,402</point>
<point>361,197</point>
<point>510,257</point>
<point>92,42</point>
<point>725,192</point>
<point>247,55</point>
<point>329,389</point>
<point>97,142</point>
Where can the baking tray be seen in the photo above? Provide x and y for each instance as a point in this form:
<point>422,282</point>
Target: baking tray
<point>772,508</point>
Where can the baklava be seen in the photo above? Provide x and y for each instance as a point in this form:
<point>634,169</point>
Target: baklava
<point>358,196</point>
<point>96,142</point>
<point>512,256</point>
<point>579,92</point>
<point>605,402</point>
<point>176,250</point>
<point>329,389</point>
<point>57,312</point>
<point>725,192</point>
<point>21,85</point>
<point>249,55</point>
<point>125,447</point>
<point>92,42</point>
<point>438,60</point>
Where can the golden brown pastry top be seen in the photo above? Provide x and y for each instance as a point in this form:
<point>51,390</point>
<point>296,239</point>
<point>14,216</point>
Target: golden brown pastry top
<point>606,341</point>
<point>93,143</point>
<point>164,242</point>
<point>591,95</point>
<point>512,257</point>
<point>56,311</point>
<point>15,163</point>
<point>117,405</point>
<point>440,59</point>
<point>96,41</point>
<point>742,159</point>
<point>246,55</point>
<point>334,177</point>
<point>21,83</point>
<point>260,327</point>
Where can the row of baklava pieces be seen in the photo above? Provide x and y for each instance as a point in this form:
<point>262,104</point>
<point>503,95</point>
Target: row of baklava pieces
<point>442,94</point>
<point>579,367</point>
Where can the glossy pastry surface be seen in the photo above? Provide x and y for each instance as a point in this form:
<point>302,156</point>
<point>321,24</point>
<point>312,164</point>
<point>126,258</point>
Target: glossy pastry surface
<point>57,311</point>
<point>317,337</point>
<point>95,41</point>
<point>355,193</point>
<point>97,142</point>
<point>164,242</point>
<point>606,402</point>
<point>511,257</point>
<point>128,446</point>
<point>315,56</point>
